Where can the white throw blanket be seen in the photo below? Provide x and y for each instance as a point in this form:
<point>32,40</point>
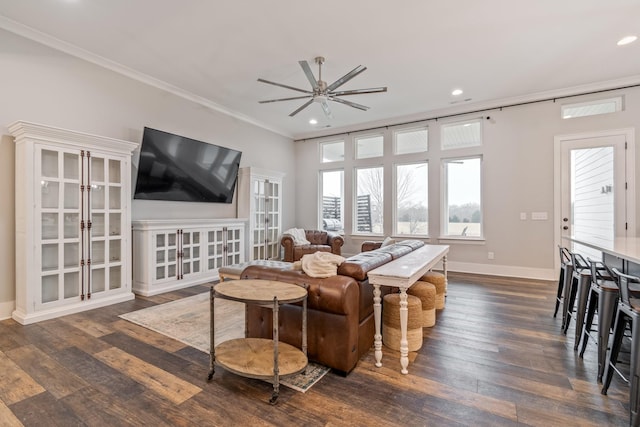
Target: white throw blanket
<point>299,236</point>
<point>321,264</point>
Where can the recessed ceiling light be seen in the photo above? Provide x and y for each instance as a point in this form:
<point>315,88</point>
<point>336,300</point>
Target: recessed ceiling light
<point>627,40</point>
<point>456,92</point>
<point>313,122</point>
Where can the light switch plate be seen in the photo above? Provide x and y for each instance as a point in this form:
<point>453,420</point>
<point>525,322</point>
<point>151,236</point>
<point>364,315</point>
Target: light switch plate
<point>523,216</point>
<point>539,216</point>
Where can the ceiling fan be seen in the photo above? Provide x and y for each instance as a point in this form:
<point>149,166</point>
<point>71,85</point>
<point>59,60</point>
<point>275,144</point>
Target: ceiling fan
<point>321,92</point>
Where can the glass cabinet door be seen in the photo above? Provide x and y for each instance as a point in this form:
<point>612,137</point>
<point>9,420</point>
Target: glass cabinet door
<point>59,214</point>
<point>106,214</point>
<point>190,252</point>
<point>166,255</point>
<point>234,246</point>
<point>215,249</point>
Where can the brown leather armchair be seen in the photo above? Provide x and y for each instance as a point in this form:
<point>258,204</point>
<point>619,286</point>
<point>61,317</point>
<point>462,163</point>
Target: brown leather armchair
<point>319,241</point>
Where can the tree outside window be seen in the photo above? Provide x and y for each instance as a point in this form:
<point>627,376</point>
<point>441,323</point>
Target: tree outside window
<point>412,199</point>
<point>463,206</point>
<point>369,203</point>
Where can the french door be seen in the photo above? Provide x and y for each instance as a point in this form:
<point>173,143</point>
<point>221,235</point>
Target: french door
<point>596,201</point>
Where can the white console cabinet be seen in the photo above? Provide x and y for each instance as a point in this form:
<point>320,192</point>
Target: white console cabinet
<point>260,200</point>
<point>72,203</point>
<point>174,254</point>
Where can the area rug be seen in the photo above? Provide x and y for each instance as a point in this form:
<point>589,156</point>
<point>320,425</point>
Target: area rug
<point>187,320</point>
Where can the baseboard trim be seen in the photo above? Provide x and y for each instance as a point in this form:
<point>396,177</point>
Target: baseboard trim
<point>6,308</point>
<point>503,270</point>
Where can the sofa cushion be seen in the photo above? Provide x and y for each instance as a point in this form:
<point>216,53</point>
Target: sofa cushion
<point>396,251</point>
<point>359,265</point>
<point>413,244</point>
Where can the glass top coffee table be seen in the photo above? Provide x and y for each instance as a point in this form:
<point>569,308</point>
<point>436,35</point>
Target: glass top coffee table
<point>260,358</point>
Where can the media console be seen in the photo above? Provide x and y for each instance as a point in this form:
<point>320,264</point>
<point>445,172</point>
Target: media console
<point>174,254</point>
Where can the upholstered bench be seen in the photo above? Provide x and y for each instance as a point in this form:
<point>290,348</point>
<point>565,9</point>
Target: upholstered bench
<point>233,272</point>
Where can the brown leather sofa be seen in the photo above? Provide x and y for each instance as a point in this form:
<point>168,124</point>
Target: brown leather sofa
<point>339,308</point>
<point>319,241</point>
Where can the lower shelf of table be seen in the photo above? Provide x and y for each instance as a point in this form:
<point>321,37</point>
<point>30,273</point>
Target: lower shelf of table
<point>253,357</point>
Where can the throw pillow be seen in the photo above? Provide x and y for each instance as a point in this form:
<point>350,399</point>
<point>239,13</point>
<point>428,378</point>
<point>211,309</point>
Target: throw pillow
<point>387,241</point>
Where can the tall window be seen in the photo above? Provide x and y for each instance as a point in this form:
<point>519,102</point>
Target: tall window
<point>332,215</point>
<point>463,206</point>
<point>369,203</point>
<point>411,209</point>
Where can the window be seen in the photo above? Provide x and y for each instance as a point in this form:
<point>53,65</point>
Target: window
<point>462,134</point>
<point>332,151</point>
<point>368,206</point>
<point>591,108</point>
<point>332,215</point>
<point>462,206</point>
<point>369,146</point>
<point>411,141</point>
<point>411,199</point>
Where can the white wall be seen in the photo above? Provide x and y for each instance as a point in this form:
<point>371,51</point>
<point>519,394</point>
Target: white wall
<point>518,176</point>
<point>45,86</point>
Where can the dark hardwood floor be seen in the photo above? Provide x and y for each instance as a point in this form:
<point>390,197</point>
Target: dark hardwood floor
<point>495,357</point>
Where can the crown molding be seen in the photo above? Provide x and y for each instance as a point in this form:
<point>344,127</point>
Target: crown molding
<point>78,52</point>
<point>480,106</point>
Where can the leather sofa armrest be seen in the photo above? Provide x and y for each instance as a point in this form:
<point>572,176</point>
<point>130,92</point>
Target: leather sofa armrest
<point>287,244</point>
<point>335,240</point>
<point>370,245</point>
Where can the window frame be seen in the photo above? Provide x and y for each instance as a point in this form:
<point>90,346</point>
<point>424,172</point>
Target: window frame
<point>343,210</point>
<point>367,136</point>
<point>443,126</point>
<point>397,131</point>
<point>444,198</point>
<point>395,198</point>
<point>321,146</point>
<point>354,201</point>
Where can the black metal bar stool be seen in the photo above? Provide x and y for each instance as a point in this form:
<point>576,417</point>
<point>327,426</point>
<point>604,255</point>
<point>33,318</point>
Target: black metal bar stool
<point>580,285</point>
<point>628,311</point>
<point>566,269</point>
<point>603,297</point>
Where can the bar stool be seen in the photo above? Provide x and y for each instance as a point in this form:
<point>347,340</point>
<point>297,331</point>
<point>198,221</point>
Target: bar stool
<point>628,311</point>
<point>603,297</point>
<point>580,286</point>
<point>566,269</point>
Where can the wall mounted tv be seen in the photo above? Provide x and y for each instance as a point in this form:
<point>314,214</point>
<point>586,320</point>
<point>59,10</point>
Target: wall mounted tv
<point>177,168</point>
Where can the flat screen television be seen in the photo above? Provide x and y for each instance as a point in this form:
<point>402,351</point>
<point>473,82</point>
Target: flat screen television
<point>177,168</point>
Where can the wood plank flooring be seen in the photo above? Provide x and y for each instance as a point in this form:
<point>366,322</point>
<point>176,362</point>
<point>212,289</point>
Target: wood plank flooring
<point>495,357</point>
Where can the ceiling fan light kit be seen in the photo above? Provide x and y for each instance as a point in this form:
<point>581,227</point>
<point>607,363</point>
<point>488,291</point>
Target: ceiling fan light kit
<point>321,93</point>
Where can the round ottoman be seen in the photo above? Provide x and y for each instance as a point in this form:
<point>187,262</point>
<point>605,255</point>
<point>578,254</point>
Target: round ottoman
<point>391,322</point>
<point>437,279</point>
<point>427,293</point>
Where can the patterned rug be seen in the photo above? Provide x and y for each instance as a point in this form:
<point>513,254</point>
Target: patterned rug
<point>187,320</point>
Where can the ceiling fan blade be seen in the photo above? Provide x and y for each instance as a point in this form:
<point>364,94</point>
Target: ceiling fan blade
<point>359,91</point>
<point>307,71</point>
<point>350,104</point>
<point>325,108</point>
<point>283,99</point>
<point>305,105</point>
<point>342,80</point>
<point>285,86</point>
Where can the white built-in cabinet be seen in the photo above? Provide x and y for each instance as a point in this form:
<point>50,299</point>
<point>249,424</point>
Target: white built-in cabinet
<point>73,221</point>
<point>173,254</point>
<point>260,200</point>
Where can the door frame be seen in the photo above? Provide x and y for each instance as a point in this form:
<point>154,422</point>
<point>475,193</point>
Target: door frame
<point>630,194</point>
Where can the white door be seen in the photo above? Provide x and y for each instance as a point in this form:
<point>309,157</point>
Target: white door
<point>594,180</point>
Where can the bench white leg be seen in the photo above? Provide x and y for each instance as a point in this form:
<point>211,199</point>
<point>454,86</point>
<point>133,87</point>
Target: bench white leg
<point>377,312</point>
